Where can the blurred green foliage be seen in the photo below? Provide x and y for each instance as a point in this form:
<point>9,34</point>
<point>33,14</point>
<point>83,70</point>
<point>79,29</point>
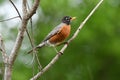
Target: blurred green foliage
<point>93,55</point>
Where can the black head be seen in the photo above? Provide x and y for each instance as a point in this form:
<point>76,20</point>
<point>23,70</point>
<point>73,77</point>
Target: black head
<point>66,19</point>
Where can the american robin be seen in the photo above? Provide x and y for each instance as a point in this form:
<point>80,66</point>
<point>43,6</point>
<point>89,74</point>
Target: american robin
<point>58,34</point>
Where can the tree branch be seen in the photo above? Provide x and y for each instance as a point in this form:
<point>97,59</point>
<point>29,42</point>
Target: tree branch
<point>19,39</point>
<point>4,56</point>
<point>3,51</point>
<point>66,45</point>
<point>33,9</point>
<point>20,35</point>
<point>21,19</point>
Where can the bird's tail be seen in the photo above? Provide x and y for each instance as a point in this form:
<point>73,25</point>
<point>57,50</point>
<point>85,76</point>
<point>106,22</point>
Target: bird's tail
<point>37,47</point>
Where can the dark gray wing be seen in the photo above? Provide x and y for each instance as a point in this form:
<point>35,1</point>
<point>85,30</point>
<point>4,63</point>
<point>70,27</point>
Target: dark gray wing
<point>54,31</point>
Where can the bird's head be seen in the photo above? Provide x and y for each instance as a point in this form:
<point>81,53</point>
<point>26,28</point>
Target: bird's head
<point>67,19</point>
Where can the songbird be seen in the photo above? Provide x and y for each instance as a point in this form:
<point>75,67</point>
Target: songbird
<point>58,34</point>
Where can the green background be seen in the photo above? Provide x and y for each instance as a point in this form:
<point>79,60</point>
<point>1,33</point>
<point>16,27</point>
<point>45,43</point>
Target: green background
<point>93,55</point>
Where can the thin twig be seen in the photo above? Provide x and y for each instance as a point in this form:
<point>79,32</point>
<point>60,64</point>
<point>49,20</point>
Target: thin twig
<point>16,9</point>
<point>65,46</point>
<point>31,25</point>
<point>32,42</point>
<point>9,19</point>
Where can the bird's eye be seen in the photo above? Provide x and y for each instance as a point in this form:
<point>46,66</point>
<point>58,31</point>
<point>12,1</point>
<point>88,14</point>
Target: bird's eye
<point>67,19</point>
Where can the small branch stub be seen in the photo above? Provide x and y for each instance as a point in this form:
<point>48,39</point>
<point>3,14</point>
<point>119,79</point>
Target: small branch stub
<point>2,49</point>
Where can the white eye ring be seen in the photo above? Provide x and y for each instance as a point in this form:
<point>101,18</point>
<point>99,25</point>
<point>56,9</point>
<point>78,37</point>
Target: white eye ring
<point>67,19</point>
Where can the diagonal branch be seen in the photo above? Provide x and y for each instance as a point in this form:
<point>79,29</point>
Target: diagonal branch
<point>21,19</point>
<point>20,35</point>
<point>66,45</point>
<point>33,9</point>
<point>12,57</point>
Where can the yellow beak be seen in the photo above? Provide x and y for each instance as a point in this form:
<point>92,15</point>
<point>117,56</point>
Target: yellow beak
<point>73,18</point>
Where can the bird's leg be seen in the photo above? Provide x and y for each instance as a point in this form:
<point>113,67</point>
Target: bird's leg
<point>55,49</point>
<point>66,42</point>
<point>62,43</point>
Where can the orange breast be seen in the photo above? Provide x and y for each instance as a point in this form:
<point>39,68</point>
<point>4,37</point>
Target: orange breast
<point>61,35</point>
